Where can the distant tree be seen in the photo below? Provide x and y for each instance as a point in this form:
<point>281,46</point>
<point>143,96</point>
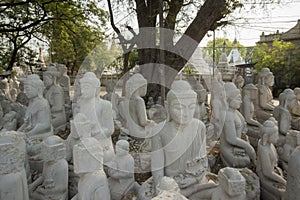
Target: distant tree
<point>57,22</point>
<point>219,43</point>
<point>281,58</point>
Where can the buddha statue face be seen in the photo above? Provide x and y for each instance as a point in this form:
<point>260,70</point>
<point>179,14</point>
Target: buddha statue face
<point>233,95</point>
<point>30,91</point>
<point>88,85</point>
<point>122,148</point>
<point>181,101</point>
<point>269,80</point>
<point>273,136</point>
<point>48,80</point>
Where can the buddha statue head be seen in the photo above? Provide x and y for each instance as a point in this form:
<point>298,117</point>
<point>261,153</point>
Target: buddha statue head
<point>265,77</point>
<point>122,148</point>
<point>50,76</point>
<point>33,86</point>
<point>53,148</point>
<point>293,138</point>
<point>239,81</point>
<point>269,132</point>
<point>297,93</point>
<point>181,102</point>
<point>201,92</point>
<point>251,91</point>
<point>89,84</point>
<point>233,95</point>
<point>136,84</point>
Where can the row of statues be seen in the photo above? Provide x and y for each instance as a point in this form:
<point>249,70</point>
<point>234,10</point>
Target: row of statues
<point>248,129</point>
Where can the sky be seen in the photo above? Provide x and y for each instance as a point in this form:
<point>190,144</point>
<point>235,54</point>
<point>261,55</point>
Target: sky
<point>247,30</point>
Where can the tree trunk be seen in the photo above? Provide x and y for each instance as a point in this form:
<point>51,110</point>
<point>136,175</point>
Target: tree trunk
<point>177,55</point>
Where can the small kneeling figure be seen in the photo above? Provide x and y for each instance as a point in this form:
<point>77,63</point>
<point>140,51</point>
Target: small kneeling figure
<point>121,172</point>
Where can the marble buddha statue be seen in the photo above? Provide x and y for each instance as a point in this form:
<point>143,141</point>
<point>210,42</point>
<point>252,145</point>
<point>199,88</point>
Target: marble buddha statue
<point>55,96</point>
<point>235,149</point>
<point>293,179</point>
<point>133,108</point>
<point>179,145</point>
<point>37,123</point>
<point>272,182</point>
<point>88,164</point>
<point>201,110</point>
<point>294,108</point>
<point>53,183</point>
<point>121,172</point>
<point>99,113</point>
<point>249,103</point>
<point>265,80</point>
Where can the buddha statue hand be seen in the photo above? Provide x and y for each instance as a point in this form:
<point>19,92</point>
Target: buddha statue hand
<point>185,180</point>
<point>48,184</point>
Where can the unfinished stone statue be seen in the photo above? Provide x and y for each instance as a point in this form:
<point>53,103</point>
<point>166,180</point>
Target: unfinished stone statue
<point>13,182</point>
<point>293,183</point>
<point>53,183</point>
<point>99,113</point>
<point>271,178</point>
<point>133,108</point>
<point>88,164</point>
<point>201,110</point>
<point>265,80</point>
<point>231,185</point>
<point>179,145</point>
<point>55,96</point>
<point>168,189</point>
<point>37,122</point>
<point>294,108</point>
<point>121,172</point>
<point>282,115</point>
<point>64,82</point>
<point>249,98</point>
<point>235,148</point>
<point>291,142</point>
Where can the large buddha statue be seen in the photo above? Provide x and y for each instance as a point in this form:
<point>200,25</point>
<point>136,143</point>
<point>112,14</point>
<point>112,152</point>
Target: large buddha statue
<point>271,177</point>
<point>37,122</point>
<point>282,115</point>
<point>265,80</point>
<point>235,148</point>
<point>55,96</point>
<point>179,145</point>
<point>249,98</point>
<point>133,108</point>
<point>99,113</point>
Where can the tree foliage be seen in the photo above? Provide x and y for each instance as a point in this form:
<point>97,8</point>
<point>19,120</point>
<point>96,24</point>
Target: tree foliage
<point>219,44</point>
<point>70,27</point>
<point>281,58</point>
